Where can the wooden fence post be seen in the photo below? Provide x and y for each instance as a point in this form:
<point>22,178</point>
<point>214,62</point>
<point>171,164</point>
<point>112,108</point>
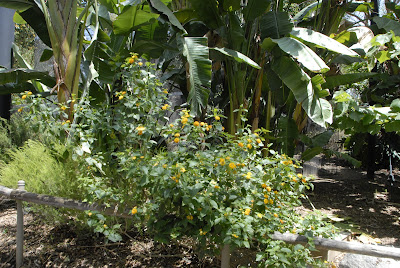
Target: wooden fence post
<point>20,228</point>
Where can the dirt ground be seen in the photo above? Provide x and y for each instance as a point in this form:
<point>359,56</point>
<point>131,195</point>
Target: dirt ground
<point>363,207</point>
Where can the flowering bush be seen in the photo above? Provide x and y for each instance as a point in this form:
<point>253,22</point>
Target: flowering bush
<point>185,178</point>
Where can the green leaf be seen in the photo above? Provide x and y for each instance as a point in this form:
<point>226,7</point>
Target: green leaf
<point>306,12</point>
<point>322,40</point>
<point>255,8</point>
<point>196,51</point>
<point>392,126</point>
<point>346,157</point>
<point>319,110</point>
<point>383,56</point>
<point>35,18</point>
<point>46,55</point>
<point>133,18</point>
<point>20,5</point>
<point>207,11</point>
<point>237,56</point>
<point>16,88</point>
<point>302,53</point>
<point>322,139</point>
<point>344,79</point>
<point>231,5</point>
<point>387,24</point>
<point>24,75</point>
<point>308,154</point>
<point>275,24</point>
<point>395,105</point>
<point>288,133</point>
<point>161,7</point>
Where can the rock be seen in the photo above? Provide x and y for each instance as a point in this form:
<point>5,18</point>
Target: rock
<point>363,261</point>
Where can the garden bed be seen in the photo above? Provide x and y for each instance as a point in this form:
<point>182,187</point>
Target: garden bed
<point>363,207</point>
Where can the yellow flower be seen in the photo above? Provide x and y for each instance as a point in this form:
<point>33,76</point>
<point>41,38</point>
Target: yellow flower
<point>304,180</point>
<point>120,97</point>
<point>240,144</point>
<point>228,157</point>
<point>177,135</point>
<point>183,170</point>
<point>20,110</point>
<point>248,175</point>
<point>165,107</point>
<point>68,121</point>
<point>248,140</point>
<point>264,185</point>
<point>235,235</point>
<point>90,214</point>
<point>171,125</point>
<point>176,140</point>
<point>275,215</point>
<point>123,92</point>
<point>29,93</point>
<point>217,118</point>
<point>294,180</point>
<point>131,60</point>
<point>282,221</point>
<point>105,225</point>
<point>140,63</point>
<point>249,146</point>
<point>24,97</point>
<point>202,124</point>
<point>216,187</point>
<point>247,211</point>
<point>282,184</point>
<point>300,175</point>
<point>287,162</point>
<point>165,166</point>
<point>62,107</point>
<point>259,215</point>
<point>232,165</point>
<point>133,157</point>
<point>165,91</point>
<point>184,120</point>
<point>134,210</point>
<point>189,217</point>
<point>222,161</point>
<point>271,201</point>
<point>266,201</point>
<point>142,157</point>
<point>268,189</point>
<point>196,123</point>
<point>140,129</point>
<point>258,141</point>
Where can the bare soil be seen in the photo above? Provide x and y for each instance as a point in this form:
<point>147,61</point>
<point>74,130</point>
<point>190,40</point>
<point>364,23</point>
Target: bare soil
<point>367,210</point>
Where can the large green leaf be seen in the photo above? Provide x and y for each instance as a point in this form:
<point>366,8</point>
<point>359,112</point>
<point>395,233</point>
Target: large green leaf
<point>306,12</point>
<point>275,24</point>
<point>161,7</point>
<point>344,79</point>
<point>318,109</point>
<point>322,40</point>
<point>255,8</point>
<point>310,153</point>
<point>24,75</point>
<point>288,133</point>
<point>207,11</point>
<point>196,51</point>
<point>237,56</point>
<point>19,5</point>
<point>388,24</point>
<point>302,53</point>
<point>16,88</point>
<point>132,18</point>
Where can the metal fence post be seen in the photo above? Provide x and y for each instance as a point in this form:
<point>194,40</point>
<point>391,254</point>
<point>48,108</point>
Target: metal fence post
<point>225,256</point>
<point>20,228</point>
